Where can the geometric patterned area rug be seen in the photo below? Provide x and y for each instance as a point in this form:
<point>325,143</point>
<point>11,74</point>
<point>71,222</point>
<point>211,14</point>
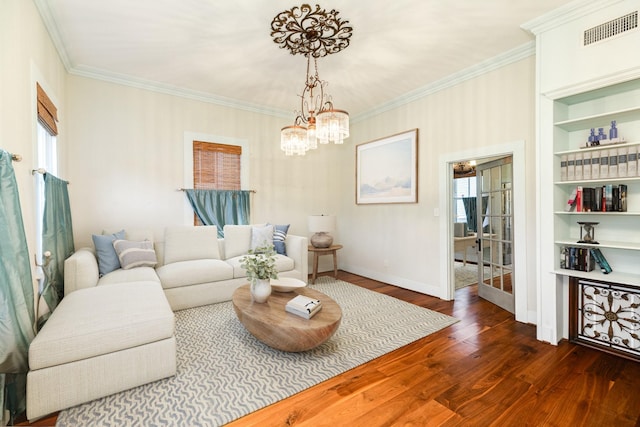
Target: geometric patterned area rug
<point>466,275</point>
<point>224,373</point>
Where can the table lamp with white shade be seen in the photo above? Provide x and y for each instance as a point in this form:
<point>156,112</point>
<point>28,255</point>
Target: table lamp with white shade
<point>322,226</point>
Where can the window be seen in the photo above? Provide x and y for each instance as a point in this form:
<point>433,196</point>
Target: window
<point>47,157</point>
<point>462,187</point>
<point>215,167</point>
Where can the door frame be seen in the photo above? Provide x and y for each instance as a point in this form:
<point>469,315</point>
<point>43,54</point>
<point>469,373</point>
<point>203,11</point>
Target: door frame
<point>445,211</point>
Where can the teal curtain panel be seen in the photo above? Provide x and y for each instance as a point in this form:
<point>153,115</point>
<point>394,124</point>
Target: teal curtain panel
<point>57,239</point>
<point>220,207</point>
<point>17,316</point>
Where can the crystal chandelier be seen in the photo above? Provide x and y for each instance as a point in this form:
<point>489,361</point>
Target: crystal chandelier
<point>314,34</point>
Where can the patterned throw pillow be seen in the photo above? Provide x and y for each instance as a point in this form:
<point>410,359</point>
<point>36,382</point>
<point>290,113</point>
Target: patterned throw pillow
<point>135,254</point>
<point>107,258</point>
<point>279,236</point>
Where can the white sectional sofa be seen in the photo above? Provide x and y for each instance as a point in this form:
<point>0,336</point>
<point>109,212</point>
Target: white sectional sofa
<point>191,269</point>
<point>115,331</point>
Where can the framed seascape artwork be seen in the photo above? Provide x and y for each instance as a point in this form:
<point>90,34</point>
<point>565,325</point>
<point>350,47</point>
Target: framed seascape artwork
<point>387,169</point>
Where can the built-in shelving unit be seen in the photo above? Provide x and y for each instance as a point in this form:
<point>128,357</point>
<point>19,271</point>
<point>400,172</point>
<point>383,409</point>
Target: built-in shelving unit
<point>582,86</point>
<point>617,233</point>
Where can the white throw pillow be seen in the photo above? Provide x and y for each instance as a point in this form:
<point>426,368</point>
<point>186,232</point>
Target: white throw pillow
<point>261,236</point>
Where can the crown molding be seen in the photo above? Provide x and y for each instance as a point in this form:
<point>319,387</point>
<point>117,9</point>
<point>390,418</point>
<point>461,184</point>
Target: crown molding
<point>474,71</point>
<point>54,33</point>
<point>514,55</point>
<point>126,80</point>
<point>121,79</point>
<point>569,12</point>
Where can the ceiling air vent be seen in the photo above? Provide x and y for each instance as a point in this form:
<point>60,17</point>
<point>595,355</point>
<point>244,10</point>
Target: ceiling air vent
<point>611,28</point>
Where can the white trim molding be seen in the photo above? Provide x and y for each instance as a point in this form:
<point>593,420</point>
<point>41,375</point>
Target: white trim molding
<point>517,150</point>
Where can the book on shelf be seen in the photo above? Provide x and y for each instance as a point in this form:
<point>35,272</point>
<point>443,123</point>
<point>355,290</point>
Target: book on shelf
<point>604,164</point>
<point>571,203</point>
<point>632,161</point>
<point>563,168</point>
<point>579,199</point>
<point>571,167</point>
<point>588,196</point>
<point>303,306</point>
<point>586,166</point>
<point>597,199</point>
<point>622,198</point>
<point>622,161</point>
<point>595,165</point>
<point>596,254</point>
<point>578,173</point>
<point>607,198</point>
<point>576,258</point>
<point>613,163</point>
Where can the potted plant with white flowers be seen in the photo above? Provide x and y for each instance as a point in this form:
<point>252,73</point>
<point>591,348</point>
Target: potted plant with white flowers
<point>260,265</point>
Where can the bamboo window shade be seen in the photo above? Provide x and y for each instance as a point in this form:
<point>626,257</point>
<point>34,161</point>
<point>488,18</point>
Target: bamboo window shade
<point>47,111</point>
<point>216,166</point>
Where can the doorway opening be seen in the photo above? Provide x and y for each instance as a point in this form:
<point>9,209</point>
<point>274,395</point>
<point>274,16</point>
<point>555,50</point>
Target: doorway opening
<point>492,244</point>
<point>483,229</point>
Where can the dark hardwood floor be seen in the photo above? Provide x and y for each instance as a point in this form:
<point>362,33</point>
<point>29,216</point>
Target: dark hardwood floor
<point>486,370</point>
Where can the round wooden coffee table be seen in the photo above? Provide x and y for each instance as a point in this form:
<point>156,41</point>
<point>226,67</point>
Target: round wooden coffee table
<point>271,324</point>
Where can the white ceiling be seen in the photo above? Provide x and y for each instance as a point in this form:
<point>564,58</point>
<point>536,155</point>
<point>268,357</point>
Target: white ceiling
<point>222,51</point>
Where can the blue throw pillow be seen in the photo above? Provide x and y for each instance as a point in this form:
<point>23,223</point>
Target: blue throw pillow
<point>107,258</point>
<point>279,236</point>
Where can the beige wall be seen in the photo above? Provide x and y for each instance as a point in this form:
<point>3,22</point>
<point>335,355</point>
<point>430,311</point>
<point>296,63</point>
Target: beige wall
<point>126,159</point>
<point>122,149</point>
<point>26,56</point>
<point>400,243</point>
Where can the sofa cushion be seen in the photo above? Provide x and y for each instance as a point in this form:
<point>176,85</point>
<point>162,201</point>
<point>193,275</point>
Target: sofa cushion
<point>283,263</point>
<point>237,240</point>
<point>185,273</point>
<point>105,252</point>
<point>95,321</point>
<point>120,275</point>
<point>135,254</point>
<point>279,238</point>
<point>261,236</point>
<point>184,243</point>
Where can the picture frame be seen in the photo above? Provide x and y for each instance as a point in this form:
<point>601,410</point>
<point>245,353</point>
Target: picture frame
<point>387,169</point>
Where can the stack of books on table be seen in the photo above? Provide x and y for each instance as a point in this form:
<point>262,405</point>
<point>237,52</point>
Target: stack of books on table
<point>303,306</point>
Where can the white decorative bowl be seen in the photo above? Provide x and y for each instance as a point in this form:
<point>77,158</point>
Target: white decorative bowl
<point>286,284</point>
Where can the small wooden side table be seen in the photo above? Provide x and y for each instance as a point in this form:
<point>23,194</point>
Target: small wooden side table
<point>317,252</point>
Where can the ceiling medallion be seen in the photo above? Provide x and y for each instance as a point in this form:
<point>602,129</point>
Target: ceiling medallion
<point>305,31</point>
<point>314,33</point>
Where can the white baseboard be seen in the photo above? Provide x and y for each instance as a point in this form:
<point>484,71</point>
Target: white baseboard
<point>402,282</point>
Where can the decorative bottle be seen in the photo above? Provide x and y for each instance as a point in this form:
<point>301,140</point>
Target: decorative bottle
<point>592,138</point>
<point>601,135</point>
<point>613,132</point>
